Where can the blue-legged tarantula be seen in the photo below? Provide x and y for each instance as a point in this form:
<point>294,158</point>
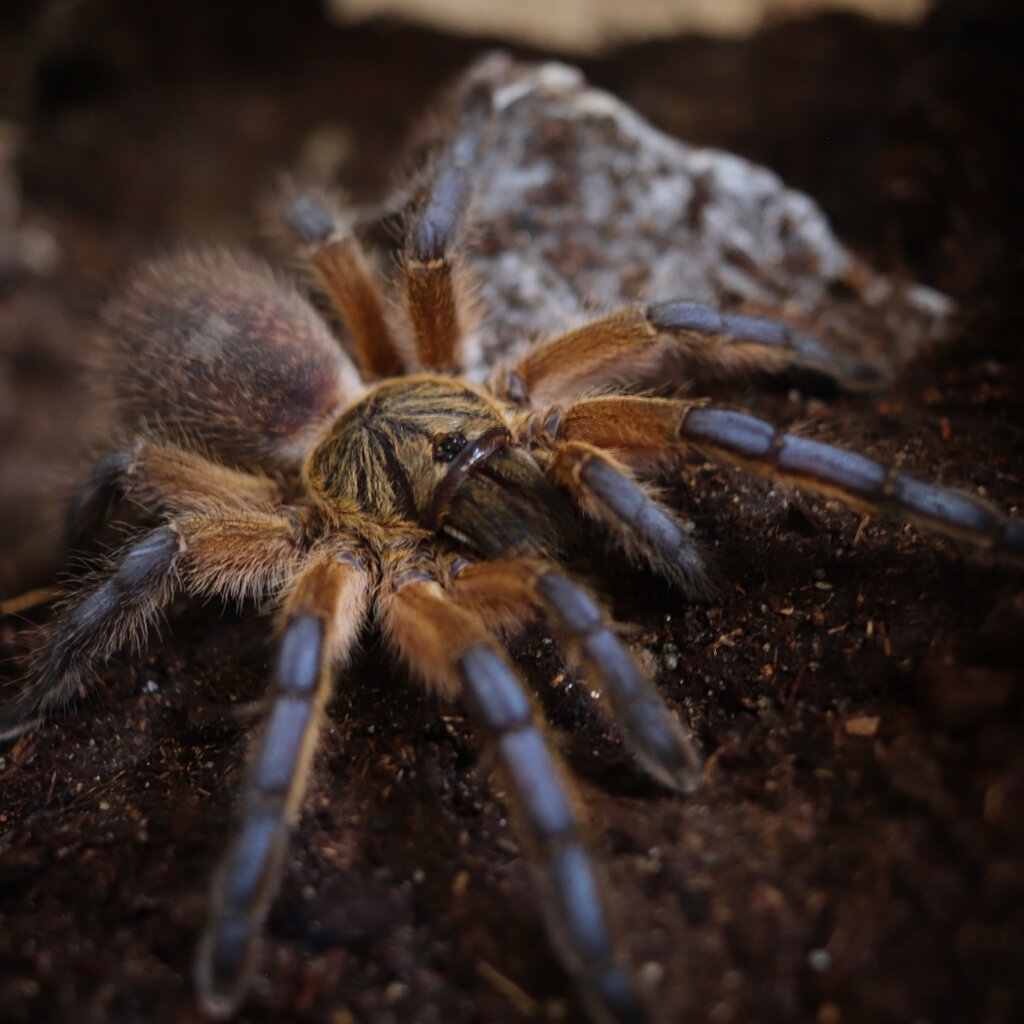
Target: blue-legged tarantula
<point>275,467</point>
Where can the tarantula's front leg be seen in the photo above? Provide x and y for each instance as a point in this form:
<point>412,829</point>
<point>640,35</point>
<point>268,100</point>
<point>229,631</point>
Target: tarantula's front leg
<point>509,590</point>
<point>321,620</point>
<point>437,295</point>
<point>630,345</point>
<point>248,553</point>
<point>640,428</point>
<point>605,489</point>
<point>450,648</point>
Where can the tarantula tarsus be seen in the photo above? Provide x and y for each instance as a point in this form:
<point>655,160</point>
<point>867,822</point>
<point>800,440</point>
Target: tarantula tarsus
<point>273,466</point>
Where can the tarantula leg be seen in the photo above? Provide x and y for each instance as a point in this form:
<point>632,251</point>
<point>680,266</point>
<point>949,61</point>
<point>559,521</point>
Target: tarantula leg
<point>90,508</point>
<point>313,222</point>
<point>646,529</point>
<point>245,554</point>
<point>631,345</point>
<point>856,479</point>
<point>639,430</point>
<point>91,626</point>
<point>451,649</point>
<point>162,478</point>
<point>321,620</point>
<point>436,284</point>
<point>739,345</point>
<point>502,588</point>
<point>642,425</point>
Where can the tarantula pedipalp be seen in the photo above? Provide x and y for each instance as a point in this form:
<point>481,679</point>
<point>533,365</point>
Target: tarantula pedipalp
<point>439,508</point>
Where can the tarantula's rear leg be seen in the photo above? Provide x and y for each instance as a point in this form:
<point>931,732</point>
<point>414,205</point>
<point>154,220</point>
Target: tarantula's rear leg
<point>314,223</point>
<point>630,345</point>
<point>437,293</point>
<point>509,590</point>
<point>162,479</point>
<point>248,553</point>
<point>640,427</point>
<point>450,649</point>
<point>321,620</point>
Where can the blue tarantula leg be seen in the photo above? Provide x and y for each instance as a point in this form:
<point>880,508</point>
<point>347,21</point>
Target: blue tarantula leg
<point>639,429</point>
<point>321,620</point>
<point>90,626</point>
<point>437,291</point>
<point>855,479</point>
<point>572,901</point>
<point>738,345</point>
<point>663,746</point>
<point>233,555</point>
<point>507,592</point>
<point>646,529</point>
<point>450,648</point>
<point>314,223</point>
<point>632,344</point>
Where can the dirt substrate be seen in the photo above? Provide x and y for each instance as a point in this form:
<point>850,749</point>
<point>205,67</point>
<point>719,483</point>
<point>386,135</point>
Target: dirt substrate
<point>855,851</point>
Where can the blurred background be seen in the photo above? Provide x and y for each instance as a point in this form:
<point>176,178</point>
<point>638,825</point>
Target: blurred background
<point>587,26</point>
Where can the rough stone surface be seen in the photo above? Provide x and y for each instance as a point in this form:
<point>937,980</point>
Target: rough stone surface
<point>581,206</point>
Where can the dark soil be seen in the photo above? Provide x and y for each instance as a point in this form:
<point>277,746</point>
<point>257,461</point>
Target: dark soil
<point>855,853</point>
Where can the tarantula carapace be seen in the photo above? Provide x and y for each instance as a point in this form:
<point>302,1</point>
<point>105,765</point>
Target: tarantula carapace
<point>273,466</point>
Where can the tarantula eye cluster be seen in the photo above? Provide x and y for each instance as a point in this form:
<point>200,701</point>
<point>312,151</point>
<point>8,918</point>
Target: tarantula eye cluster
<point>447,447</point>
<point>387,488</point>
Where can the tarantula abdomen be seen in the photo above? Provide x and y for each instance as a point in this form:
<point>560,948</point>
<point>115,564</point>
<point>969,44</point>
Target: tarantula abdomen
<point>214,344</point>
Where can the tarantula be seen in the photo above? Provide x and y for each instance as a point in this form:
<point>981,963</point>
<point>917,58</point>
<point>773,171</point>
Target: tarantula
<point>390,489</point>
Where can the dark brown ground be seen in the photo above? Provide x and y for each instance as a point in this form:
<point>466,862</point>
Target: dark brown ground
<point>855,853</point>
